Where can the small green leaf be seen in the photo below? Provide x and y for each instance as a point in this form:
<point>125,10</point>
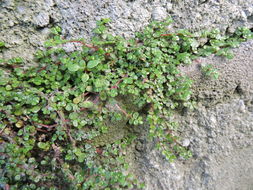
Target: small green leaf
<point>56,30</point>
<point>16,60</point>
<point>103,96</point>
<point>2,44</point>
<point>35,109</point>
<point>44,146</point>
<point>77,100</point>
<point>73,67</point>
<point>85,77</point>
<point>87,104</point>
<point>99,83</point>
<point>19,124</point>
<point>93,63</point>
<point>8,87</point>
<point>68,107</point>
<point>75,123</point>
<point>17,177</point>
<point>73,115</point>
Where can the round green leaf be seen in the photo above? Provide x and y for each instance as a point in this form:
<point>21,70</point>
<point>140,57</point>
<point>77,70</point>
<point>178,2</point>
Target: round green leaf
<point>85,77</point>
<point>93,63</point>
<point>87,104</point>
<point>73,67</point>
<point>77,100</point>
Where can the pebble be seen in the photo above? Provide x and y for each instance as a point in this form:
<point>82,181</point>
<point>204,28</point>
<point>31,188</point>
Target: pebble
<point>186,142</point>
<point>242,107</point>
<point>159,13</point>
<point>42,19</point>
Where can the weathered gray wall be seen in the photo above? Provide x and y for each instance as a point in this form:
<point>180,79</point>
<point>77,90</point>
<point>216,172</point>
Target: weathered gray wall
<point>219,132</point>
<point>24,23</point>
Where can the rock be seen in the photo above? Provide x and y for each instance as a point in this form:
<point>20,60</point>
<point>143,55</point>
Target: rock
<point>78,18</point>
<point>42,19</point>
<point>241,106</point>
<point>169,6</point>
<point>159,13</point>
<point>186,142</point>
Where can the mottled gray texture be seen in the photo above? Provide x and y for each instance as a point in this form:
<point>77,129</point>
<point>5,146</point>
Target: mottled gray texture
<point>235,76</point>
<point>219,132</point>
<point>24,23</point>
<point>221,140</point>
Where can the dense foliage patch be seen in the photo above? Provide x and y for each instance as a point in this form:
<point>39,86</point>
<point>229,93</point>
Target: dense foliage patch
<point>65,123</point>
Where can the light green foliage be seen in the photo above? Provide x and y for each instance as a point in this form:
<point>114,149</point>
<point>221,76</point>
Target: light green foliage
<point>209,71</point>
<point>2,44</point>
<point>53,117</point>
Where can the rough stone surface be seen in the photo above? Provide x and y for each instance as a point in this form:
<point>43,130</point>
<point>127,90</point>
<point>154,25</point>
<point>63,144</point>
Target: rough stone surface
<point>219,132</point>
<point>235,77</point>
<point>24,24</point>
<point>221,140</point>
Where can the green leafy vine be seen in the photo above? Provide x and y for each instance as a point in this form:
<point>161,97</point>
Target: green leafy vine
<point>65,123</point>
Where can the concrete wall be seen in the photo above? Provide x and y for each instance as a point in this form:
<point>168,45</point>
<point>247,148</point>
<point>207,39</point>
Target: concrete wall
<point>219,132</point>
